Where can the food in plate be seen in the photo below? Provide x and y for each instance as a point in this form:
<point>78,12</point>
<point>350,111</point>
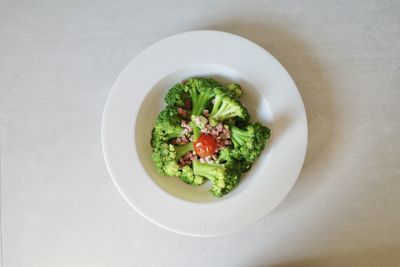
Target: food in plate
<point>204,133</point>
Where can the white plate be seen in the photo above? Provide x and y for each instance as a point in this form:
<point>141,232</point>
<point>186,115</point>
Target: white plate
<point>137,97</point>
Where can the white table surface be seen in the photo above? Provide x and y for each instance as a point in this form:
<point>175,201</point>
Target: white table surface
<point>58,61</point>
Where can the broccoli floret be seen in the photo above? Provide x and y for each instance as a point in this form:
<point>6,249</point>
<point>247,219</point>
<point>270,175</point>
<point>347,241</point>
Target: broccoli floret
<point>225,108</point>
<point>189,177</point>
<point>203,82</point>
<point>229,156</point>
<point>177,96</point>
<point>250,141</point>
<point>224,177</point>
<point>164,157</point>
<point>167,126</point>
<point>234,89</point>
<point>169,115</point>
<point>201,91</point>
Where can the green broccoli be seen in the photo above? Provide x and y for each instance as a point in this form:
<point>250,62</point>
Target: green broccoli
<point>181,150</point>
<point>225,108</point>
<point>167,126</point>
<point>249,142</point>
<point>164,157</point>
<point>177,96</point>
<point>196,132</point>
<point>195,96</point>
<point>201,91</point>
<point>189,177</point>
<point>229,156</point>
<point>234,89</point>
<point>224,177</point>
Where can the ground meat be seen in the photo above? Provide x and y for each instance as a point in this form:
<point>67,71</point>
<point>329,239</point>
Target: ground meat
<point>204,130</point>
<point>182,161</point>
<point>187,159</point>
<point>185,140</point>
<point>186,131</point>
<point>188,105</point>
<point>182,112</point>
<point>226,133</point>
<point>219,127</point>
<point>187,156</point>
<point>184,124</point>
<point>214,132</point>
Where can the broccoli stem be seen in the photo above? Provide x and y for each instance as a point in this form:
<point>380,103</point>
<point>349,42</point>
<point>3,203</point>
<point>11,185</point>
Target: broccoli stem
<point>199,101</point>
<point>181,150</point>
<point>196,133</point>
<point>200,104</point>
<point>217,105</point>
<point>207,170</point>
<point>214,172</point>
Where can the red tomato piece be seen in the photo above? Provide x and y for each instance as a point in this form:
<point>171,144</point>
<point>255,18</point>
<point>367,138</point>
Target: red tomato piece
<point>205,146</point>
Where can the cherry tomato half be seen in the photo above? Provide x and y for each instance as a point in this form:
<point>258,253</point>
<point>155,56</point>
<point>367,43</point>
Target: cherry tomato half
<point>205,146</point>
